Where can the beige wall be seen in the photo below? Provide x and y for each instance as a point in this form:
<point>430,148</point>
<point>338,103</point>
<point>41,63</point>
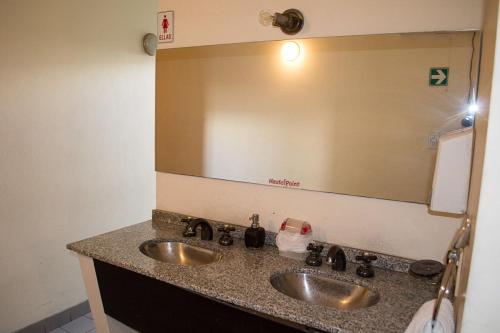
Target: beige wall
<point>352,115</point>
<point>76,142</point>
<point>392,227</point>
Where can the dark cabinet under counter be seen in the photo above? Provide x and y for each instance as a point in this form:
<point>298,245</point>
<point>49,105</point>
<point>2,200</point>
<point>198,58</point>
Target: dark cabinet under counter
<point>152,306</point>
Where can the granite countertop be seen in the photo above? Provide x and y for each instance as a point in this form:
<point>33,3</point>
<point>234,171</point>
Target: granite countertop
<point>241,278</point>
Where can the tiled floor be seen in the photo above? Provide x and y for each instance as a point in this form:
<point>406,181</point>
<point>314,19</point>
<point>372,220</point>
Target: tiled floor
<point>84,324</point>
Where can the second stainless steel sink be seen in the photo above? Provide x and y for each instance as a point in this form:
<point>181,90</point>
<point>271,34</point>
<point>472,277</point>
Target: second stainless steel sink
<point>179,253</point>
<point>322,290</point>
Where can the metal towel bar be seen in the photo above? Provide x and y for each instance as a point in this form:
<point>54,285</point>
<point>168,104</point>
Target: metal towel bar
<point>460,241</point>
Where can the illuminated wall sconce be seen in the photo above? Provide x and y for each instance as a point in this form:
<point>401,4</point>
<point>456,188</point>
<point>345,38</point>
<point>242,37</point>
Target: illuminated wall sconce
<point>472,109</point>
<point>290,51</point>
<point>290,21</point>
<point>469,118</point>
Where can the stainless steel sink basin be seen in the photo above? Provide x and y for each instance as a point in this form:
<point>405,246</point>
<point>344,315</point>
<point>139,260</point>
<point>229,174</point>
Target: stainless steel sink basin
<point>317,289</point>
<point>179,253</point>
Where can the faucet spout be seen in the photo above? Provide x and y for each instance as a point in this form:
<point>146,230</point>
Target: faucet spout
<point>336,257</point>
<point>207,232</point>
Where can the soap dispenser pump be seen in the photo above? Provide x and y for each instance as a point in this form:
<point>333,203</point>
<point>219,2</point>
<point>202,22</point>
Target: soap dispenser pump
<point>255,235</point>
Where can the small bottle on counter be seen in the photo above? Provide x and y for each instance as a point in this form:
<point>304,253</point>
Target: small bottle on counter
<point>255,235</point>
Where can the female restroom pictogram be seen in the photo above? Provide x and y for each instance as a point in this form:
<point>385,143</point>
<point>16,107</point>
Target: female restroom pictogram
<point>165,24</point>
<point>165,27</point>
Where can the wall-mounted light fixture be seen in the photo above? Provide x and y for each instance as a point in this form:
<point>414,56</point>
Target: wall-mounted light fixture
<point>472,109</point>
<point>149,43</point>
<point>469,118</point>
<point>290,21</point>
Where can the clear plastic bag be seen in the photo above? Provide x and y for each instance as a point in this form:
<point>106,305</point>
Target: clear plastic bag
<point>287,241</point>
<point>293,238</point>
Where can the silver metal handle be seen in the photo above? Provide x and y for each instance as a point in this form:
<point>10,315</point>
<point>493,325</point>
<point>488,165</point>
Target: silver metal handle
<point>460,241</point>
<point>462,236</point>
<point>446,287</point>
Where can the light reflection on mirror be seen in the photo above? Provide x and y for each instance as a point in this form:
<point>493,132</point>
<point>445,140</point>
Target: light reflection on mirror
<point>290,51</point>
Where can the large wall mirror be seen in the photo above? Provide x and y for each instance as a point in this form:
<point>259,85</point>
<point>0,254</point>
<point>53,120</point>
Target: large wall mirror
<point>354,115</point>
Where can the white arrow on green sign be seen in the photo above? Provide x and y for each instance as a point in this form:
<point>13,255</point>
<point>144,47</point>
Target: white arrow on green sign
<point>438,76</point>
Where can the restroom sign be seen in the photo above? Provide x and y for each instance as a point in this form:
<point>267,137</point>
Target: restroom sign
<point>438,76</point>
<point>166,27</point>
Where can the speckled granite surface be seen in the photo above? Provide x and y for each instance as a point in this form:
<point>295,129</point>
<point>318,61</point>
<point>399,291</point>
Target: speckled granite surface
<point>242,278</point>
<point>384,261</point>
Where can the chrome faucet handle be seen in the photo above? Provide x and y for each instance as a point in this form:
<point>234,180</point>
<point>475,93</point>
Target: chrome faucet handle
<point>366,258</point>
<point>314,258</point>
<point>225,228</point>
<point>225,239</point>
<point>365,269</point>
<point>192,223</point>
<point>188,231</point>
<point>315,249</point>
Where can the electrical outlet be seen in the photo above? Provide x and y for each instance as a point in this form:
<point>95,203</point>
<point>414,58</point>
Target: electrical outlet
<point>433,140</point>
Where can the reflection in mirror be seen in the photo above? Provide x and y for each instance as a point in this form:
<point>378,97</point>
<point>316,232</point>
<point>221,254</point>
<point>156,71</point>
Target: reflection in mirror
<point>354,115</point>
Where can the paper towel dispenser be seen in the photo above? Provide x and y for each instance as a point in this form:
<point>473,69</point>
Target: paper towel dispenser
<point>450,187</point>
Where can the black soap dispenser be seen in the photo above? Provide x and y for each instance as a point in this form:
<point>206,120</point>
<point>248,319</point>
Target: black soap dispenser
<point>255,235</point>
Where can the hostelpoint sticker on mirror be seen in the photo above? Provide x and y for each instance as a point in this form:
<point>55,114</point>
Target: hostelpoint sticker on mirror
<point>166,27</point>
<point>284,182</point>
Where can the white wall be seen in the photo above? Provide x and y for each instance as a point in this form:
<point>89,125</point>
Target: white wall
<point>397,228</point>
<point>76,141</point>
<point>386,226</point>
<point>483,293</point>
<point>230,21</point>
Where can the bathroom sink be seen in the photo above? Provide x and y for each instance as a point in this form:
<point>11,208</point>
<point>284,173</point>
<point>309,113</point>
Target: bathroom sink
<point>321,290</point>
<point>179,253</point>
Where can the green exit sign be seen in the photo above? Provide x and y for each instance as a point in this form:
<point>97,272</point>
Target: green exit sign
<point>438,76</point>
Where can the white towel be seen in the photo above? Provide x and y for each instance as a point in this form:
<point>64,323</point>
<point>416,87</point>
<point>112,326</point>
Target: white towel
<point>422,320</point>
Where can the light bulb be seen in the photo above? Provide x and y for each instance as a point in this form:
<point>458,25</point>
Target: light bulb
<point>266,17</point>
<point>290,51</point>
<point>473,108</point>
